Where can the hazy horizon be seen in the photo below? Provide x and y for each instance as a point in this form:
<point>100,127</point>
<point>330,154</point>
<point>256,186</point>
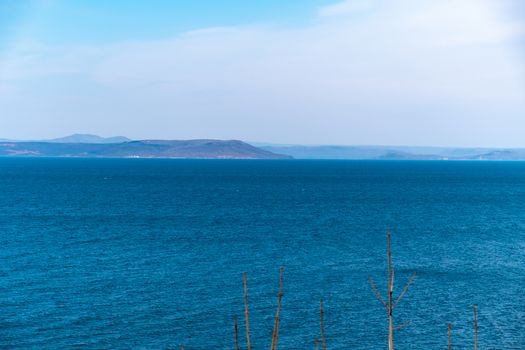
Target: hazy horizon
<point>260,143</point>
<point>315,72</point>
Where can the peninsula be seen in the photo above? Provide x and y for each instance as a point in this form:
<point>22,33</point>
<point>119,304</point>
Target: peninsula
<point>211,149</point>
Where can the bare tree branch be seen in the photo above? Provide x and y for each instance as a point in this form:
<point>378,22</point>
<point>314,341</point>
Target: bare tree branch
<point>323,342</point>
<point>378,295</point>
<point>401,326</point>
<point>275,335</point>
<point>475,327</point>
<point>236,330</point>
<point>404,290</point>
<point>246,312</point>
<point>449,336</point>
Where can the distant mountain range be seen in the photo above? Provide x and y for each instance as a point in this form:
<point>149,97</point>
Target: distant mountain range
<point>395,152</point>
<point>88,138</point>
<point>216,149</point>
<point>87,145</point>
<point>78,138</point>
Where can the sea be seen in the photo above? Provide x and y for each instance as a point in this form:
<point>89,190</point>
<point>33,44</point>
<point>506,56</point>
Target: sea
<point>150,253</point>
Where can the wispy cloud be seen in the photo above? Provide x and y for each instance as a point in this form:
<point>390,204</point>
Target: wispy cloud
<point>404,66</point>
<point>349,7</point>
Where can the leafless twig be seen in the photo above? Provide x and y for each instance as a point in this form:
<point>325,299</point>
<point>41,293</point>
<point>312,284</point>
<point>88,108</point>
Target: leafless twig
<point>401,326</point>
<point>475,327</point>
<point>236,329</point>
<point>275,335</point>
<point>378,295</point>
<point>321,313</point>
<point>449,335</point>
<point>404,290</point>
<point>246,313</point>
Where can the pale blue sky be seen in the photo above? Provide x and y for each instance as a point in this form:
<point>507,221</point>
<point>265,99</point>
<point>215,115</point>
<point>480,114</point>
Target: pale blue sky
<point>406,72</point>
<point>102,21</point>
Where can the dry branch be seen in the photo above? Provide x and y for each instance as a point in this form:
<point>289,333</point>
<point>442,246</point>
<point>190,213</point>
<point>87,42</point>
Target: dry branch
<point>389,304</point>
<point>247,321</point>
<point>275,335</point>
<point>449,334</point>
<point>236,329</point>
<point>475,328</point>
<point>404,290</point>
<point>323,341</point>
<point>378,295</point>
<point>401,326</point>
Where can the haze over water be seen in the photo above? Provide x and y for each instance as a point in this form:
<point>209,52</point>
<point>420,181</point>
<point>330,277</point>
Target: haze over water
<point>149,254</point>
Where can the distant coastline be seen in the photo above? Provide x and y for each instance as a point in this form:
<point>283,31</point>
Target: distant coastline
<point>204,149</point>
<point>395,152</point>
<point>93,146</point>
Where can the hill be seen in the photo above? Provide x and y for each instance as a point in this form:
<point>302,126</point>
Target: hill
<point>219,149</point>
<point>89,138</point>
<point>395,152</point>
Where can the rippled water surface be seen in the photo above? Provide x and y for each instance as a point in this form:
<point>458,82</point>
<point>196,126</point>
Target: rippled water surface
<point>149,254</point>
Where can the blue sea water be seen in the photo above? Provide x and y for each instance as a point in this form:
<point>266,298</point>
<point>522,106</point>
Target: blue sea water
<point>150,254</point>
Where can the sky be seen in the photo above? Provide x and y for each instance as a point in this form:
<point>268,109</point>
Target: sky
<point>347,72</point>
